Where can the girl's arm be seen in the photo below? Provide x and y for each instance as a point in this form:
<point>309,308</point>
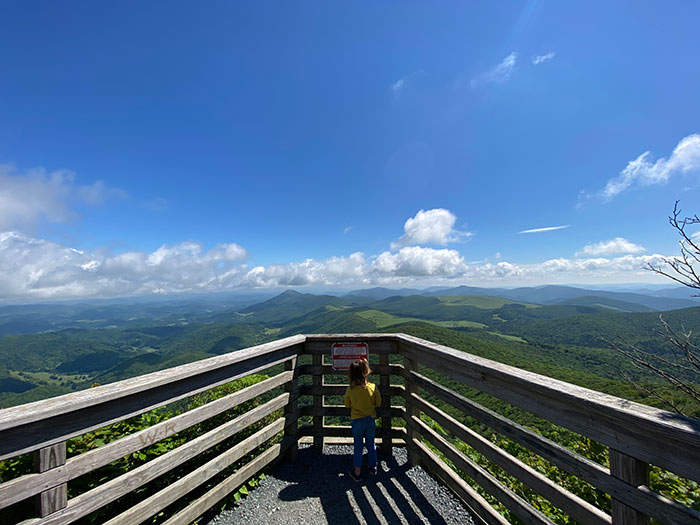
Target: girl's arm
<point>377,397</point>
<point>347,397</point>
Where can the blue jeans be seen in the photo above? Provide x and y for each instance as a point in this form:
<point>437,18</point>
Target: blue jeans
<point>364,427</point>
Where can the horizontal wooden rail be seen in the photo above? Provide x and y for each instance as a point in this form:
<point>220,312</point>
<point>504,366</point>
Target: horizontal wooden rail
<point>321,347</point>
<point>517,505</point>
<point>639,431</point>
<point>31,484</point>
<point>482,511</point>
<point>339,390</point>
<point>158,501</point>
<point>328,370</point>
<point>345,431</point>
<point>227,486</point>
<point>341,411</point>
<point>110,491</point>
<point>642,498</point>
<point>636,434</point>
<point>43,423</point>
<point>576,507</point>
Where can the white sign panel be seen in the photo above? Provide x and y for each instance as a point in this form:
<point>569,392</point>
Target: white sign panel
<point>345,353</point>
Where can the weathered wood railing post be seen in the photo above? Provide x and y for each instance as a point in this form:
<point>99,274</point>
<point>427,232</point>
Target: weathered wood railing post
<point>384,382</point>
<point>634,472</point>
<point>54,499</point>
<point>409,366</point>
<point>318,402</point>
<point>291,413</point>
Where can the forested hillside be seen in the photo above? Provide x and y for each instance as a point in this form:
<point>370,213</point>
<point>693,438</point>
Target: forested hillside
<point>567,341</point>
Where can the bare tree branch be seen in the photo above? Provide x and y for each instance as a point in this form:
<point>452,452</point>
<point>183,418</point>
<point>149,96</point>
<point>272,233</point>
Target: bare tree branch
<point>682,270</point>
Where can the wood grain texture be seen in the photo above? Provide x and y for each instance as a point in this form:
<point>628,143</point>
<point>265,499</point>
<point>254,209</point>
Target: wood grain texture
<point>172,386</point>
<point>637,430</point>
<point>480,509</point>
<point>158,501</point>
<point>376,347</point>
<point>339,390</point>
<point>577,508</point>
<point>517,505</point>
<point>346,432</point>
<point>317,382</point>
<point>635,473</point>
<point>48,408</point>
<point>642,498</point>
<point>56,497</point>
<point>106,493</point>
<point>291,409</point>
<point>26,486</point>
<point>327,370</point>
<point>226,487</point>
<point>341,411</point>
<point>411,387</point>
<point>386,393</point>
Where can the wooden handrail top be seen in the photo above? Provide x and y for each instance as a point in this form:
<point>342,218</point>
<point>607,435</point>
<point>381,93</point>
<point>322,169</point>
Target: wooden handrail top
<point>599,401</point>
<point>38,410</point>
<point>616,422</point>
<point>641,431</point>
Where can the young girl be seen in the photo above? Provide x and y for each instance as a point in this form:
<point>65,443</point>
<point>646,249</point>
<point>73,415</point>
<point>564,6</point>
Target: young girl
<point>361,397</point>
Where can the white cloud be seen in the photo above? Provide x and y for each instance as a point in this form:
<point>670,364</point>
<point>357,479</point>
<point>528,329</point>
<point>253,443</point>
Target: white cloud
<point>643,171</point>
<point>347,229</point>
<point>434,226</point>
<point>546,229</point>
<point>611,247</point>
<point>329,272</point>
<point>35,195</point>
<point>417,261</point>
<point>41,269</point>
<point>538,59</point>
<point>399,84</point>
<point>35,269</point>
<point>498,73</point>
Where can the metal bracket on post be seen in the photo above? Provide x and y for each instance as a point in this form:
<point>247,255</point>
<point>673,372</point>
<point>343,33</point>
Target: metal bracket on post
<point>635,472</point>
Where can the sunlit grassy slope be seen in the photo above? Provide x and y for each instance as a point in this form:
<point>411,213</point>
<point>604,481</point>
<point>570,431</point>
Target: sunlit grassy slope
<point>487,303</point>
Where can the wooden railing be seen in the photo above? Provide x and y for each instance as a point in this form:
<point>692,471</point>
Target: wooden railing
<point>637,436</point>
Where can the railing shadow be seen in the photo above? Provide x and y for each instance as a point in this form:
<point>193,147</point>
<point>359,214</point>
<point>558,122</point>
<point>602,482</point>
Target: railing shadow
<point>389,497</point>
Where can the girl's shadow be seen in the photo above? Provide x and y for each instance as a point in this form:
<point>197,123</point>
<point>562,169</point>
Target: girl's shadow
<point>390,494</point>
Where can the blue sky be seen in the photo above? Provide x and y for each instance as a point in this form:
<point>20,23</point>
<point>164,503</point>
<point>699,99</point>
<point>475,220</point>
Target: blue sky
<point>174,146</point>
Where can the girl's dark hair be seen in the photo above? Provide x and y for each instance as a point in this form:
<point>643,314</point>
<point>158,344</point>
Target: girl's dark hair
<point>359,370</point>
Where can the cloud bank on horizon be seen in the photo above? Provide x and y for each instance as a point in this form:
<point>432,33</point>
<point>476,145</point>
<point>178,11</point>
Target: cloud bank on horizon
<point>38,269</point>
<point>447,150</point>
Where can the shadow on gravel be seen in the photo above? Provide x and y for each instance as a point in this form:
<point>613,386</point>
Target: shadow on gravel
<point>391,494</point>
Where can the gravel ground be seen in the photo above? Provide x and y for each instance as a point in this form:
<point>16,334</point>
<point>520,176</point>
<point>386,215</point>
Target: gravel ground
<point>316,489</point>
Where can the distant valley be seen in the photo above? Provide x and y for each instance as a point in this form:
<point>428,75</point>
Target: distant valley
<point>50,349</point>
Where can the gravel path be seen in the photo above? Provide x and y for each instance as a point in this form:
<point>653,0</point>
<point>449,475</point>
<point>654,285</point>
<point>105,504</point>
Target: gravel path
<point>316,490</point>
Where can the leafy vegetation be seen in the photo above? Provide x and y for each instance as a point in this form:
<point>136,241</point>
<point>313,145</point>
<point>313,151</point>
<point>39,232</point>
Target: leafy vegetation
<point>22,465</point>
<point>567,341</point>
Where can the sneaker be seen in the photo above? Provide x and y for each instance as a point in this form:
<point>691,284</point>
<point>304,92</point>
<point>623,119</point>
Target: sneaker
<point>354,476</point>
<point>373,471</point>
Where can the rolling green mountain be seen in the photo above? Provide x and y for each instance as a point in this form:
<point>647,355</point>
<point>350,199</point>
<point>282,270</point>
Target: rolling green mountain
<point>292,305</point>
<point>564,340</point>
<point>605,302</point>
<point>573,295</point>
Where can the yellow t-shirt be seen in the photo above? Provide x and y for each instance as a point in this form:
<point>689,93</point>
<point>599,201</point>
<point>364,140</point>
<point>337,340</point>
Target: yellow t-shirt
<point>362,399</point>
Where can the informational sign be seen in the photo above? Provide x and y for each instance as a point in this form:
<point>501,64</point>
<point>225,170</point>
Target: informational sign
<point>345,353</point>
